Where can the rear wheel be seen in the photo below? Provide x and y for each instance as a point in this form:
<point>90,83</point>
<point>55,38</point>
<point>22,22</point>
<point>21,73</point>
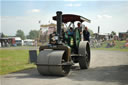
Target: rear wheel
<point>84,51</point>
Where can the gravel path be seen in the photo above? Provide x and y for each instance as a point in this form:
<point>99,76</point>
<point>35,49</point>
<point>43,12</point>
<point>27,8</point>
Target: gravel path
<point>107,68</point>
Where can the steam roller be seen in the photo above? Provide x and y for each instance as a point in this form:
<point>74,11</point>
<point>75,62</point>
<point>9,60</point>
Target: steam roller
<point>65,48</point>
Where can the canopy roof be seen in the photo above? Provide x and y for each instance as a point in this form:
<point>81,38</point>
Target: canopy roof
<point>72,18</point>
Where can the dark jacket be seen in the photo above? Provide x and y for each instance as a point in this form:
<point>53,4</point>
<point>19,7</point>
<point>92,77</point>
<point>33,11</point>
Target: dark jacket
<point>86,35</point>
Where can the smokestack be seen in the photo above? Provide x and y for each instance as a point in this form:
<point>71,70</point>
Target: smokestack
<point>98,29</point>
<point>59,22</point>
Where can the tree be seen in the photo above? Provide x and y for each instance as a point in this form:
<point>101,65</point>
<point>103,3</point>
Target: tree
<point>113,33</point>
<point>91,32</point>
<point>33,34</point>
<point>2,35</point>
<point>20,34</point>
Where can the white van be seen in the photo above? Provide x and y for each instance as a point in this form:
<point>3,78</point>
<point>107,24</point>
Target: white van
<point>18,41</point>
<point>29,42</point>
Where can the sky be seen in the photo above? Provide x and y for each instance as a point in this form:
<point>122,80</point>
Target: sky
<point>110,15</point>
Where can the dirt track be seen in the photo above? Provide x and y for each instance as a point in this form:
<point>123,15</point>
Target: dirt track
<point>107,68</point>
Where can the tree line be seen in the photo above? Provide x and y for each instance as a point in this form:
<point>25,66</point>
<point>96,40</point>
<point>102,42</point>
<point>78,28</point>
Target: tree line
<point>33,34</point>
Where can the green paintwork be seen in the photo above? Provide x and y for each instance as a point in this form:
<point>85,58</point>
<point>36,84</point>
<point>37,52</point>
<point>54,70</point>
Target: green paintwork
<point>77,37</point>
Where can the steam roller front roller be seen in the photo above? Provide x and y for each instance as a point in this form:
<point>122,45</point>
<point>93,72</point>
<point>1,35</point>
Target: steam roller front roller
<point>84,51</point>
<point>51,62</point>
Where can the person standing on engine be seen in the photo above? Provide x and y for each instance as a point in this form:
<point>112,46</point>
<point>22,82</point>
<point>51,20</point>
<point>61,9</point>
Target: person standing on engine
<point>79,27</point>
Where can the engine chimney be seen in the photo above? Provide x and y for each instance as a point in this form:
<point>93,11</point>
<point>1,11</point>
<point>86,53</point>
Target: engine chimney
<point>59,22</point>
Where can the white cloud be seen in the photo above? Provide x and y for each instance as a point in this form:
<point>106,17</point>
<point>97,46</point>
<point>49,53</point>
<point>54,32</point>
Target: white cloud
<point>107,16</point>
<point>69,5</point>
<point>70,0</point>
<point>104,16</point>
<point>73,5</point>
<point>77,4</point>
<point>35,10</point>
<point>99,16</point>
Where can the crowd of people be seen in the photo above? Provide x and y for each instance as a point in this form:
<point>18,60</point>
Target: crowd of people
<point>110,44</point>
<point>126,44</point>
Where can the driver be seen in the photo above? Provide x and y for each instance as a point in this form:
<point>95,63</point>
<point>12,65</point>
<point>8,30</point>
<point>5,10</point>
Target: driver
<point>79,27</point>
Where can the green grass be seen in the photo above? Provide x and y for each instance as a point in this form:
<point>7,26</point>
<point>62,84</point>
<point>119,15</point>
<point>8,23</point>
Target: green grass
<point>118,47</point>
<point>12,60</point>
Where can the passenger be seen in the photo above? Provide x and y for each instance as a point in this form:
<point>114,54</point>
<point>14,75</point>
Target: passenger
<point>86,34</point>
<point>70,31</point>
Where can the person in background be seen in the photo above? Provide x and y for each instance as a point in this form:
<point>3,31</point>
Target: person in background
<point>86,34</point>
<point>126,44</point>
<point>36,43</point>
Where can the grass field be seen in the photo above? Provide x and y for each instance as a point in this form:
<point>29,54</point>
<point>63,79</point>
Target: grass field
<point>12,60</point>
<point>118,47</point>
